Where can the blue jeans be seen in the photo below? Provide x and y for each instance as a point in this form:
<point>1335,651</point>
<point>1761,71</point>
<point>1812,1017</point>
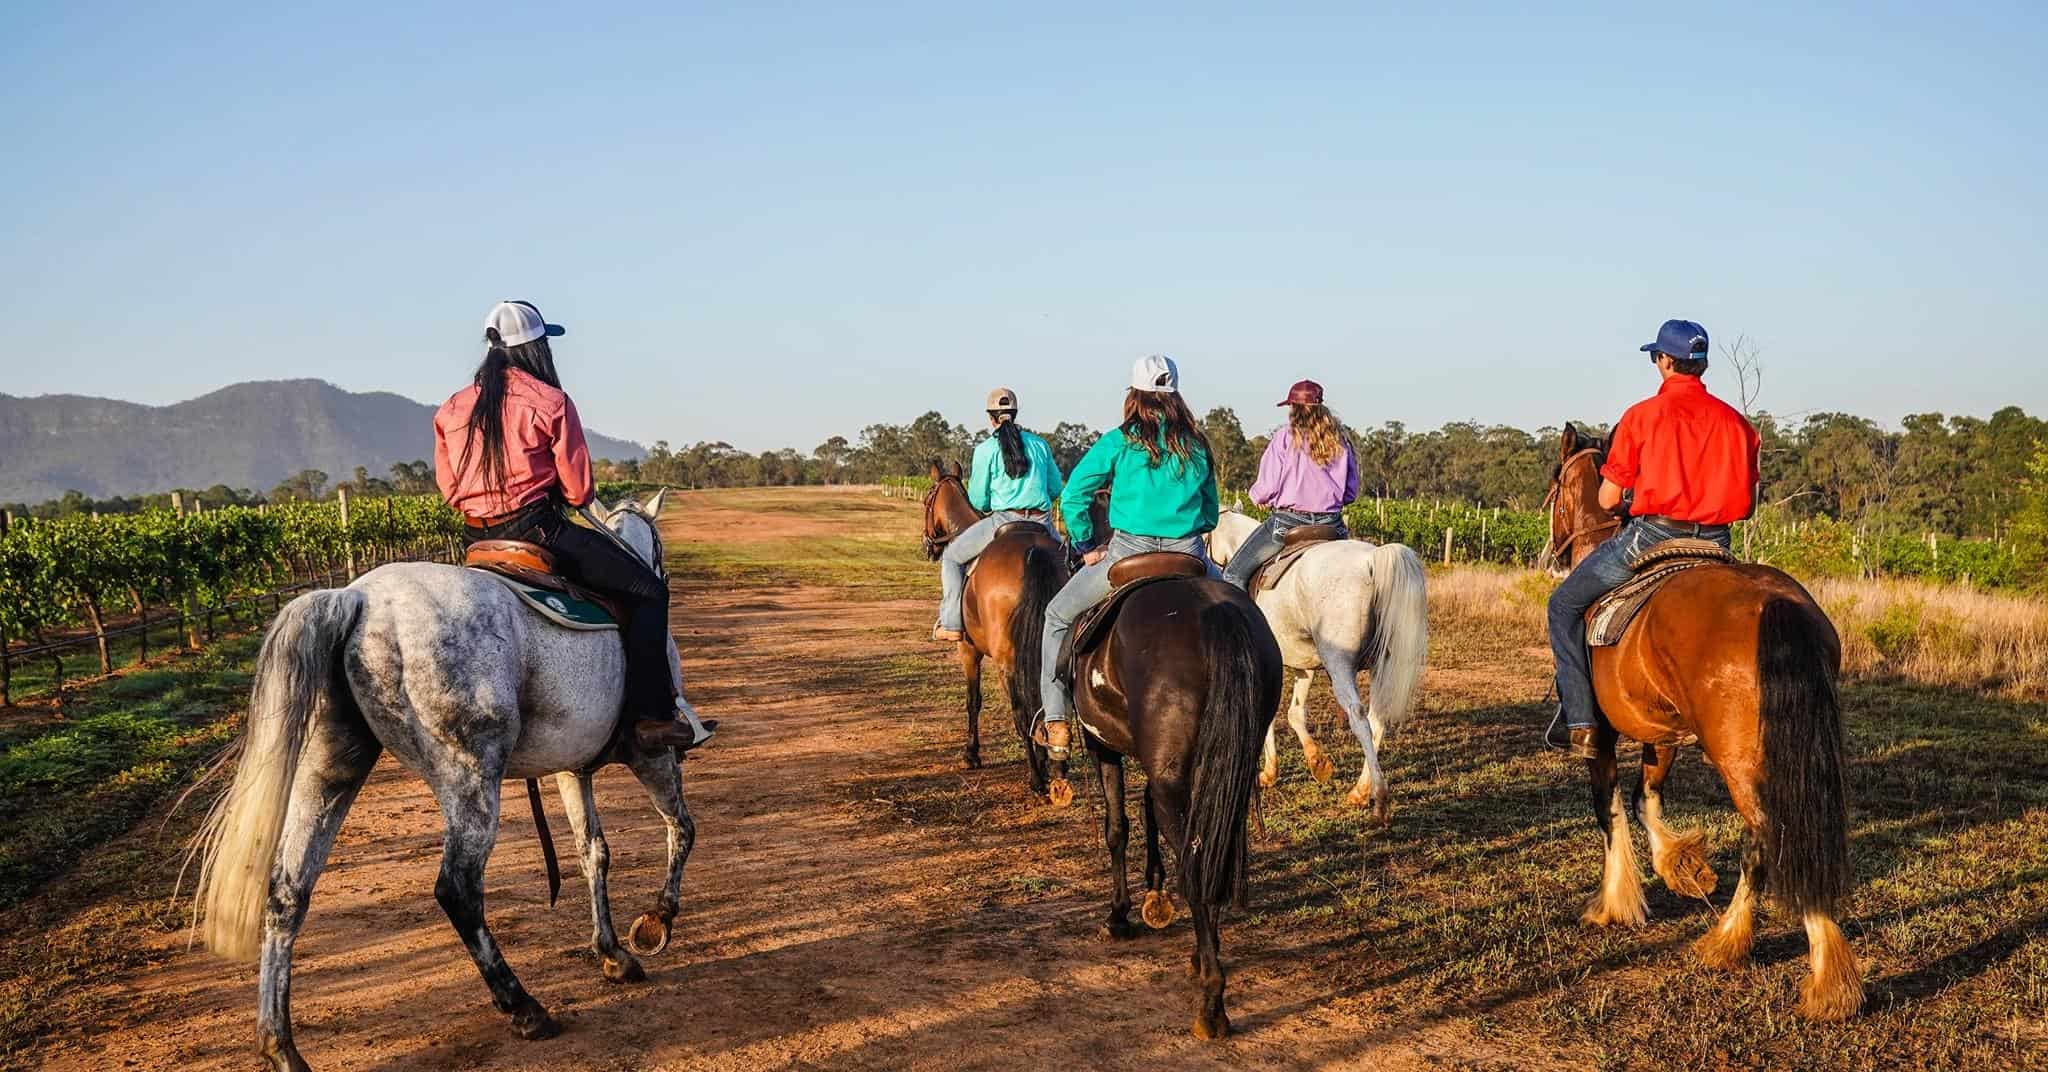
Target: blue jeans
<point>1264,542</point>
<point>1084,590</point>
<point>1602,571</point>
<point>961,553</point>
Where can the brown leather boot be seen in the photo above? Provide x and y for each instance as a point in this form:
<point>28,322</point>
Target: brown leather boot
<point>1584,743</point>
<point>653,734</point>
<point>945,636</point>
<point>1057,741</point>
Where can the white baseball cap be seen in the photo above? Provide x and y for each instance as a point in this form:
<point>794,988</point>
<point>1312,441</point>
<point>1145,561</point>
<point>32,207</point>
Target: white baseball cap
<point>1156,373</point>
<point>518,322</point>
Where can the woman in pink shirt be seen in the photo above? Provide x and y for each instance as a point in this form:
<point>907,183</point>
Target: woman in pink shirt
<point>1308,475</point>
<point>509,454</point>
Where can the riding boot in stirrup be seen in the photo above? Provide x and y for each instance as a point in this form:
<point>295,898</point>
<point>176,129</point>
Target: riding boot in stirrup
<point>682,733</point>
<point>944,635</point>
<point>1054,738</point>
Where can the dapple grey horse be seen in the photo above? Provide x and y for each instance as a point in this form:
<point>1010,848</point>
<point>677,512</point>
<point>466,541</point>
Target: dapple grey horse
<point>1344,605</point>
<point>468,688</point>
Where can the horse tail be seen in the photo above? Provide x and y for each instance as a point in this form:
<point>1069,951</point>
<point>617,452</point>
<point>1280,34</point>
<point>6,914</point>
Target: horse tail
<point>1806,838</point>
<point>1042,581</point>
<point>1400,631</point>
<point>237,845</point>
<point>1227,746</point>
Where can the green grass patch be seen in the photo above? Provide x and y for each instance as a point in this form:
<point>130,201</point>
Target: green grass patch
<point>69,782</point>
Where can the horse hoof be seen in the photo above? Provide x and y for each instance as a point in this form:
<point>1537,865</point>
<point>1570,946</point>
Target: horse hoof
<point>1116,930</point>
<point>1158,910</point>
<point>533,1023</point>
<point>973,761</point>
<point>1059,794</point>
<point>1269,777</point>
<point>1210,1030</point>
<point>648,935</point>
<point>623,969</point>
<point>280,1056</point>
<point>1321,767</point>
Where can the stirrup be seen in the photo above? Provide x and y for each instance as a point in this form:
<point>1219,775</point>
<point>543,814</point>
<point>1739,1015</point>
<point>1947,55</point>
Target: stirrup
<point>1041,738</point>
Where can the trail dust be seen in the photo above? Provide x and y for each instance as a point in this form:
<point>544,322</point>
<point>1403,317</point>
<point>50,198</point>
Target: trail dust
<point>823,926</point>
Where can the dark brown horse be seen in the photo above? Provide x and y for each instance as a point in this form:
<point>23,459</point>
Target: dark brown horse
<point>1003,609</point>
<point>1740,657</point>
<point>1185,681</point>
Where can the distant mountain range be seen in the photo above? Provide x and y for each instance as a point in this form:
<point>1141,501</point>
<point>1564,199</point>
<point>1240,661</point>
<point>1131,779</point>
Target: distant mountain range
<point>249,435</point>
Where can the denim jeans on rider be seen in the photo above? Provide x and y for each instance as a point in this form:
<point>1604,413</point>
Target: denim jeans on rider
<point>1264,542</point>
<point>1085,590</point>
<point>961,553</point>
<point>1604,570</point>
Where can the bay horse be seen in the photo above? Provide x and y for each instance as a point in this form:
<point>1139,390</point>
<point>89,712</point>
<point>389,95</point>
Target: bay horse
<point>1003,609</point>
<point>1346,605</point>
<point>1185,680</point>
<point>1740,657</point>
<point>468,688</point>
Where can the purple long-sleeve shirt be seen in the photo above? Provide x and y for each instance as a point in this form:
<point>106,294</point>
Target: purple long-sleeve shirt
<point>1291,480</point>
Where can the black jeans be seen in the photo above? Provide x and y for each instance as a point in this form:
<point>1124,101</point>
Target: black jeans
<point>594,561</point>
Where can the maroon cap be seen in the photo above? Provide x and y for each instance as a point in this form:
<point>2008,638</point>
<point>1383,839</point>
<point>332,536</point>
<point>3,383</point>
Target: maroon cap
<point>1305,393</point>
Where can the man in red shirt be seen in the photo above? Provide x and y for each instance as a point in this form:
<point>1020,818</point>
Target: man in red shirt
<point>1691,461</point>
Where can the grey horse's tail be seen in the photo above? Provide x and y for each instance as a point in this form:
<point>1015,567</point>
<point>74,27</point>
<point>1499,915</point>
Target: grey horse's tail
<point>237,846</point>
<point>1400,631</point>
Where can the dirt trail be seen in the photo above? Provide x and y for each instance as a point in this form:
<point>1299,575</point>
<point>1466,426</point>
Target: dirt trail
<point>820,928</point>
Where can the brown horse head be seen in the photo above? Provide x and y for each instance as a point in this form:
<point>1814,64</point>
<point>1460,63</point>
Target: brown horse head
<point>947,513</point>
<point>1577,523</point>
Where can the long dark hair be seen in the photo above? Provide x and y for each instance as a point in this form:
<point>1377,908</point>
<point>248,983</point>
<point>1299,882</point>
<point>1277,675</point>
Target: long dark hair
<point>1011,439</point>
<point>1149,413</point>
<point>486,430</point>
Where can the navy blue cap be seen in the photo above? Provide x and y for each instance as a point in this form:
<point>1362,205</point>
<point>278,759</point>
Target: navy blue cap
<point>1679,338</point>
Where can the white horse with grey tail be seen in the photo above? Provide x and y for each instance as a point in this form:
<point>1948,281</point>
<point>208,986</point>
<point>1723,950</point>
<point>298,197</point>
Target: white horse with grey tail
<point>468,688</point>
<point>1345,604</point>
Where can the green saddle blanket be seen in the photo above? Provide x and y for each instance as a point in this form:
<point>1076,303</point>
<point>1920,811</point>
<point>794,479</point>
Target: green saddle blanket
<point>560,608</point>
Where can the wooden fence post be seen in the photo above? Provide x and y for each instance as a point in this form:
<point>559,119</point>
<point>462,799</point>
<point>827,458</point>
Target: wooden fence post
<point>188,604</point>
<point>348,546</point>
<point>1447,546</point>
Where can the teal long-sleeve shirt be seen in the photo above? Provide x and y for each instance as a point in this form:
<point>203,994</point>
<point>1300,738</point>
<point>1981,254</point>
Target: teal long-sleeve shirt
<point>990,487</point>
<point>1171,500</point>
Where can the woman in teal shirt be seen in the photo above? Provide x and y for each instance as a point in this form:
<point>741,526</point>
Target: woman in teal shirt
<point>1013,478</point>
<point>1164,499</point>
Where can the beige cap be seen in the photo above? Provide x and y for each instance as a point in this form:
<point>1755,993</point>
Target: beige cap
<point>1002,400</point>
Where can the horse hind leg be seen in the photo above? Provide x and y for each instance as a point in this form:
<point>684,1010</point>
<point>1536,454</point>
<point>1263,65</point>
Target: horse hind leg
<point>662,776</point>
<point>1727,945</point>
<point>1834,990</point>
<point>1620,899</point>
<point>1319,765</point>
<point>580,801</point>
<point>470,809</point>
<point>1116,836</point>
<point>1158,909</point>
<point>340,752</point>
<point>1371,790</point>
<point>1679,859</point>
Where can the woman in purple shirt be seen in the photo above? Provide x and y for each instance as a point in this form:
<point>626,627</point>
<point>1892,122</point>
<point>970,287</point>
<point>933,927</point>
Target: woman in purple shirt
<point>1307,476</point>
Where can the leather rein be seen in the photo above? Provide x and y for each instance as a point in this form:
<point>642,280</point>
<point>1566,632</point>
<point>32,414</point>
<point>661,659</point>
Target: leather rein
<point>1553,501</point>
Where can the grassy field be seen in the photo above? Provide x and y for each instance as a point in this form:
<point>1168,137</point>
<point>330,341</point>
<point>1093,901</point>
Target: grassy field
<point>1466,907</point>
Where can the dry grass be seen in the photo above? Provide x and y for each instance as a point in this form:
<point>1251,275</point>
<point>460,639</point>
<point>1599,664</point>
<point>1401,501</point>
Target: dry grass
<point>1927,634</point>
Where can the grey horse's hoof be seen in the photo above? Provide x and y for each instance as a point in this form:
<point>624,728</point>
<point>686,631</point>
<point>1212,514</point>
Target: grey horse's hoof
<point>648,935</point>
<point>623,969</point>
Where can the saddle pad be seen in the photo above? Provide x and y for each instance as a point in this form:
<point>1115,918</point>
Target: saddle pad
<point>567,611</point>
<point>1607,619</point>
<point>1094,623</point>
<point>1269,576</point>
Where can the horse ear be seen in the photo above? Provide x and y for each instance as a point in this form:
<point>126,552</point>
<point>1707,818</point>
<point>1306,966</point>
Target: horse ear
<point>653,505</point>
<point>1568,440</point>
<point>599,510</point>
<point>958,470</point>
<point>938,470</point>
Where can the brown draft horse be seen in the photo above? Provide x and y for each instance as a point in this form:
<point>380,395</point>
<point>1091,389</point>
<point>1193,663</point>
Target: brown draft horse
<point>1186,682</point>
<point>1003,609</point>
<point>1740,657</point>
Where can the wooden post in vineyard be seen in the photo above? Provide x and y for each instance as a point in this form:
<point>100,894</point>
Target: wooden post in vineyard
<point>348,546</point>
<point>188,611</point>
<point>1447,546</point>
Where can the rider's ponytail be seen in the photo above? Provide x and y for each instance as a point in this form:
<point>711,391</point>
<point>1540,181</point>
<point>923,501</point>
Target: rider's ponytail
<point>1008,436</point>
<point>485,435</point>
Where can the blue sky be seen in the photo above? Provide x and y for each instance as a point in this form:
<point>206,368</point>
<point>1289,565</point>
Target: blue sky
<point>772,224</point>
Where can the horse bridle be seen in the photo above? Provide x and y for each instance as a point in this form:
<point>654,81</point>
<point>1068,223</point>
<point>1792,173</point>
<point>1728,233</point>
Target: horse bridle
<point>1553,501</point>
<point>936,545</point>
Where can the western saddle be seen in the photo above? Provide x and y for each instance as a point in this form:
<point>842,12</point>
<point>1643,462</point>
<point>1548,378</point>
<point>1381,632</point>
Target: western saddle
<point>1126,575</point>
<point>532,564</point>
<point>1294,543</point>
<point>1607,620</point>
